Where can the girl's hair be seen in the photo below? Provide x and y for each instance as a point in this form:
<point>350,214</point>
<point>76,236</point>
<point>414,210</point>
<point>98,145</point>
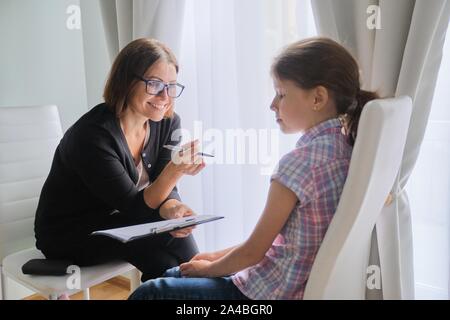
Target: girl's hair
<point>132,62</point>
<point>323,62</point>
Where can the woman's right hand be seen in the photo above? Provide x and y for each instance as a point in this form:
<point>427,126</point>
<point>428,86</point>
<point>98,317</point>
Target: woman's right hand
<point>188,160</point>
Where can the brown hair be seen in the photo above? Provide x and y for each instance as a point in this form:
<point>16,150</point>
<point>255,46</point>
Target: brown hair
<point>323,62</point>
<point>134,60</point>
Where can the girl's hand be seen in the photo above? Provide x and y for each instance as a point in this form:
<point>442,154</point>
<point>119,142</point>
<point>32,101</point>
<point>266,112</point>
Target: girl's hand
<point>204,256</point>
<point>173,209</point>
<point>197,268</point>
<point>188,160</point>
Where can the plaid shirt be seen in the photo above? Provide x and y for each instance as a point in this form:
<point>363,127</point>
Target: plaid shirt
<point>315,171</point>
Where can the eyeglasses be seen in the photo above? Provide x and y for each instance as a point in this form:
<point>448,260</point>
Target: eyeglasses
<point>155,87</point>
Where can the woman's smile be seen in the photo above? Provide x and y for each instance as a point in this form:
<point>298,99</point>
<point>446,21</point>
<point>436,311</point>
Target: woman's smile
<point>159,107</point>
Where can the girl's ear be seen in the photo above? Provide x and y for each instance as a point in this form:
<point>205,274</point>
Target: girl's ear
<point>320,95</point>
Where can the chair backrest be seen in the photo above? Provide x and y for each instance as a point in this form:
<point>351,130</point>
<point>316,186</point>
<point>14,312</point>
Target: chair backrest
<point>339,270</point>
<point>28,139</point>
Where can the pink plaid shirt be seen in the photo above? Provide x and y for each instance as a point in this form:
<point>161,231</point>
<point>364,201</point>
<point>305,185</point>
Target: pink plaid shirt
<point>315,171</point>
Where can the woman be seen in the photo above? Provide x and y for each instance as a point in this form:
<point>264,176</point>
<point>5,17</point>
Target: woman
<point>110,170</point>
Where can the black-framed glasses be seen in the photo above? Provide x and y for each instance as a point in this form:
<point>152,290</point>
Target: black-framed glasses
<point>155,87</point>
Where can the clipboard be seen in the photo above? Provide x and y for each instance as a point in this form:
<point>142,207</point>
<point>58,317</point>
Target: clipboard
<point>130,233</point>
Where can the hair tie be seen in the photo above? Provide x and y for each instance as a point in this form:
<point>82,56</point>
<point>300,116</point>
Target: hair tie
<point>353,105</point>
<point>343,119</point>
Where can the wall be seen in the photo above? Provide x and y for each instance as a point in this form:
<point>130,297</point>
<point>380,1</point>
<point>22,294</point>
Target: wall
<point>96,58</point>
<point>42,62</point>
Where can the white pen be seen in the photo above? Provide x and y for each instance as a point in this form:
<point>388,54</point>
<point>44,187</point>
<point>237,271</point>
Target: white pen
<point>176,148</point>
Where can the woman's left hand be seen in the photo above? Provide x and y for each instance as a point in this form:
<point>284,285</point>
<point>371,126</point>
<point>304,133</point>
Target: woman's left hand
<point>196,268</point>
<point>173,209</point>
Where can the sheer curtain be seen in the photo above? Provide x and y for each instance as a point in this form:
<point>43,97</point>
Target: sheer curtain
<point>126,20</point>
<point>226,52</point>
<point>429,195</point>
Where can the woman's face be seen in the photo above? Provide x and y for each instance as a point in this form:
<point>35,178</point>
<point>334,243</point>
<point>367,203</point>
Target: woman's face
<point>153,107</point>
<point>293,107</point>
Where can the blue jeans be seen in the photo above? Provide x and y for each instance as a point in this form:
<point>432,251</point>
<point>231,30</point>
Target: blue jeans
<point>172,286</point>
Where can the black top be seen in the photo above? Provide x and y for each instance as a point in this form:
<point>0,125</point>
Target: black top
<point>92,180</point>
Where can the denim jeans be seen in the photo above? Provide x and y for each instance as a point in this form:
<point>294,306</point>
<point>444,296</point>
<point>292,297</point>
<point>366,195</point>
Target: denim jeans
<point>172,286</point>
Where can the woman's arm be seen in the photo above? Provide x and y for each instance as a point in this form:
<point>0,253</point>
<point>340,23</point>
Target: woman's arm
<point>189,164</point>
<point>160,189</point>
<point>280,203</point>
<point>166,172</point>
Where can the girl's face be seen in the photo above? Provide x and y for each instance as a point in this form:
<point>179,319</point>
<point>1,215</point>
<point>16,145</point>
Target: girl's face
<point>153,107</point>
<point>293,107</point>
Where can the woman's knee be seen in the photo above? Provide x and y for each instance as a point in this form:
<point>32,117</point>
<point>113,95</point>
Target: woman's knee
<point>153,266</point>
<point>183,248</point>
<point>153,258</point>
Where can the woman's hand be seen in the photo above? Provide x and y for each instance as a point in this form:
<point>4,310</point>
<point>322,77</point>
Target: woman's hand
<point>188,160</point>
<point>197,268</point>
<point>173,209</point>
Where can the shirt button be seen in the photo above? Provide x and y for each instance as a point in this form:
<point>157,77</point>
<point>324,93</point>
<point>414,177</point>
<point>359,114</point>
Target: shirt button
<point>144,154</point>
<point>149,165</point>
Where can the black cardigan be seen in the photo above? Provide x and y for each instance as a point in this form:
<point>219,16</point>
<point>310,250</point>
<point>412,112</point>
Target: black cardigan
<point>92,180</point>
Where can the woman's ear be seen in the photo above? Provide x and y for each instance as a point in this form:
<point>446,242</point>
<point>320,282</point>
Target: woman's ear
<point>320,96</point>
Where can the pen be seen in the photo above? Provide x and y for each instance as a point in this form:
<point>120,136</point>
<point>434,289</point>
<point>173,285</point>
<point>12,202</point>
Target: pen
<point>175,148</point>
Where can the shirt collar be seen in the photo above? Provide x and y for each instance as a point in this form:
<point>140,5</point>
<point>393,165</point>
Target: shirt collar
<point>318,130</point>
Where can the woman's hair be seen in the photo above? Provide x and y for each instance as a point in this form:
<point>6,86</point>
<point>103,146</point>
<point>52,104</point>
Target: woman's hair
<point>132,62</point>
<point>323,62</point>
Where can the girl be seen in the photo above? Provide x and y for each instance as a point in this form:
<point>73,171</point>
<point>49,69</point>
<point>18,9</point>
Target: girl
<point>317,88</point>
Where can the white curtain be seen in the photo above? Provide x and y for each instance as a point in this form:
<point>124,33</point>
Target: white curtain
<point>126,20</point>
<point>400,56</point>
<point>429,194</point>
<point>226,52</point>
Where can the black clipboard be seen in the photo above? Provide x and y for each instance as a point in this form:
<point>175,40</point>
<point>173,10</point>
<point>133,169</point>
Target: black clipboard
<point>130,233</point>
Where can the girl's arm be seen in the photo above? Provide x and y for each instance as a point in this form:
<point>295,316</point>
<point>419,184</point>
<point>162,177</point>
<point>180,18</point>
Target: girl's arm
<point>280,203</point>
<point>212,256</point>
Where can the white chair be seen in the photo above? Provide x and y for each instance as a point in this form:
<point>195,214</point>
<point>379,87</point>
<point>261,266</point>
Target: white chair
<point>28,139</point>
<point>340,268</point>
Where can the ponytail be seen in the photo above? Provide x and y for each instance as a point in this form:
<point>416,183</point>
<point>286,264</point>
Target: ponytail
<point>354,113</point>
